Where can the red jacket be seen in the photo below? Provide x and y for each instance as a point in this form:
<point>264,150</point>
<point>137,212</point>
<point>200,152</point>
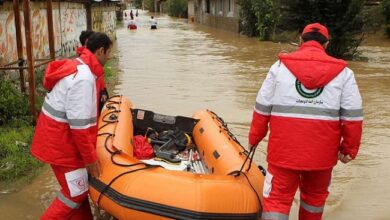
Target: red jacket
<point>66,131</point>
<point>313,107</point>
<point>100,81</point>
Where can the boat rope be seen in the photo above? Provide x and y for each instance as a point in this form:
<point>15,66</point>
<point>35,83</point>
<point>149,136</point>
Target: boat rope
<point>113,118</point>
<point>117,152</point>
<point>253,150</point>
<point>253,188</point>
<point>249,155</point>
<point>224,126</point>
<point>239,172</point>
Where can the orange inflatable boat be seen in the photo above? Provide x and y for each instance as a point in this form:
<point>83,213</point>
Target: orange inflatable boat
<point>225,185</point>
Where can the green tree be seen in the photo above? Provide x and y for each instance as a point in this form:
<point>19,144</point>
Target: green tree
<point>138,3</point>
<point>149,5</point>
<point>248,18</point>
<point>343,18</point>
<point>267,13</point>
<point>177,8</point>
<point>386,13</point>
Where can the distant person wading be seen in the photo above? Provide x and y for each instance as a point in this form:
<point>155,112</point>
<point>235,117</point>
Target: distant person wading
<point>153,23</point>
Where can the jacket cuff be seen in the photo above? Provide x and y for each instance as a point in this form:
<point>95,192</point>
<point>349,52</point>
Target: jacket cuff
<point>346,151</point>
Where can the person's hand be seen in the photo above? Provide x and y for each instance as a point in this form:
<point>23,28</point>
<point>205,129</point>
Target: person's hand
<point>344,158</point>
<point>103,95</point>
<point>94,169</point>
<point>103,98</point>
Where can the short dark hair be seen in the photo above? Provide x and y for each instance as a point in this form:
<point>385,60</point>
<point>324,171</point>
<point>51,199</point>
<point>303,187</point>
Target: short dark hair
<point>316,36</point>
<point>98,40</point>
<point>84,36</point>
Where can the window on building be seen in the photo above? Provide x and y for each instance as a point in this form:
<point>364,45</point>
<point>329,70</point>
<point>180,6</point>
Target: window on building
<point>230,5</point>
<point>220,7</point>
<point>207,6</point>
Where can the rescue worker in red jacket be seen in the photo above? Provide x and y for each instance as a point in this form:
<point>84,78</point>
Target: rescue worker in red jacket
<point>66,132</point>
<point>312,104</point>
<point>84,35</point>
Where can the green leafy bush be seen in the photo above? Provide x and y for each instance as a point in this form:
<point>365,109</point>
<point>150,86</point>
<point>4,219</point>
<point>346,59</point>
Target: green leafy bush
<point>13,104</point>
<point>267,14</point>
<point>16,130</point>
<point>248,18</point>
<point>15,158</point>
<point>344,20</point>
<point>177,8</point>
<point>149,5</point>
<point>386,13</point>
<point>138,3</point>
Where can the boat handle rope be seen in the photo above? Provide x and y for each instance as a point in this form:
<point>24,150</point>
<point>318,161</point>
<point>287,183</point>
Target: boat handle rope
<point>111,105</point>
<point>111,119</point>
<point>225,127</point>
<point>109,135</point>
<point>117,152</point>
<point>253,150</point>
<point>253,188</point>
<point>110,101</point>
<point>239,172</point>
<point>250,156</point>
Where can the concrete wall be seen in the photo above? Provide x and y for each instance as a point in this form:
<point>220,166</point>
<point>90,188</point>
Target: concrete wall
<point>69,20</point>
<point>104,18</point>
<point>72,19</point>
<point>8,51</point>
<point>225,23</point>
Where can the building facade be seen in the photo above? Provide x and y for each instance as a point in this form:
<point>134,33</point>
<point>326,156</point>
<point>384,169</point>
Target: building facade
<point>223,14</point>
<point>69,19</point>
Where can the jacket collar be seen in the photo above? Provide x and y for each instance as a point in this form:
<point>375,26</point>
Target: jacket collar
<point>90,59</point>
<point>312,45</point>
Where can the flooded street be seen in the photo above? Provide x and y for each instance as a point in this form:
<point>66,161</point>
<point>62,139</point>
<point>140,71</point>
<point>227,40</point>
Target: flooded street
<point>181,68</point>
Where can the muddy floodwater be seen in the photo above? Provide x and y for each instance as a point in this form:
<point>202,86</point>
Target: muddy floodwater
<point>181,68</point>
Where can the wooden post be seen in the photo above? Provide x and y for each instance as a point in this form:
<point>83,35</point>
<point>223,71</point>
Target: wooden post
<point>19,44</point>
<point>30,57</point>
<point>88,8</point>
<point>49,10</point>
